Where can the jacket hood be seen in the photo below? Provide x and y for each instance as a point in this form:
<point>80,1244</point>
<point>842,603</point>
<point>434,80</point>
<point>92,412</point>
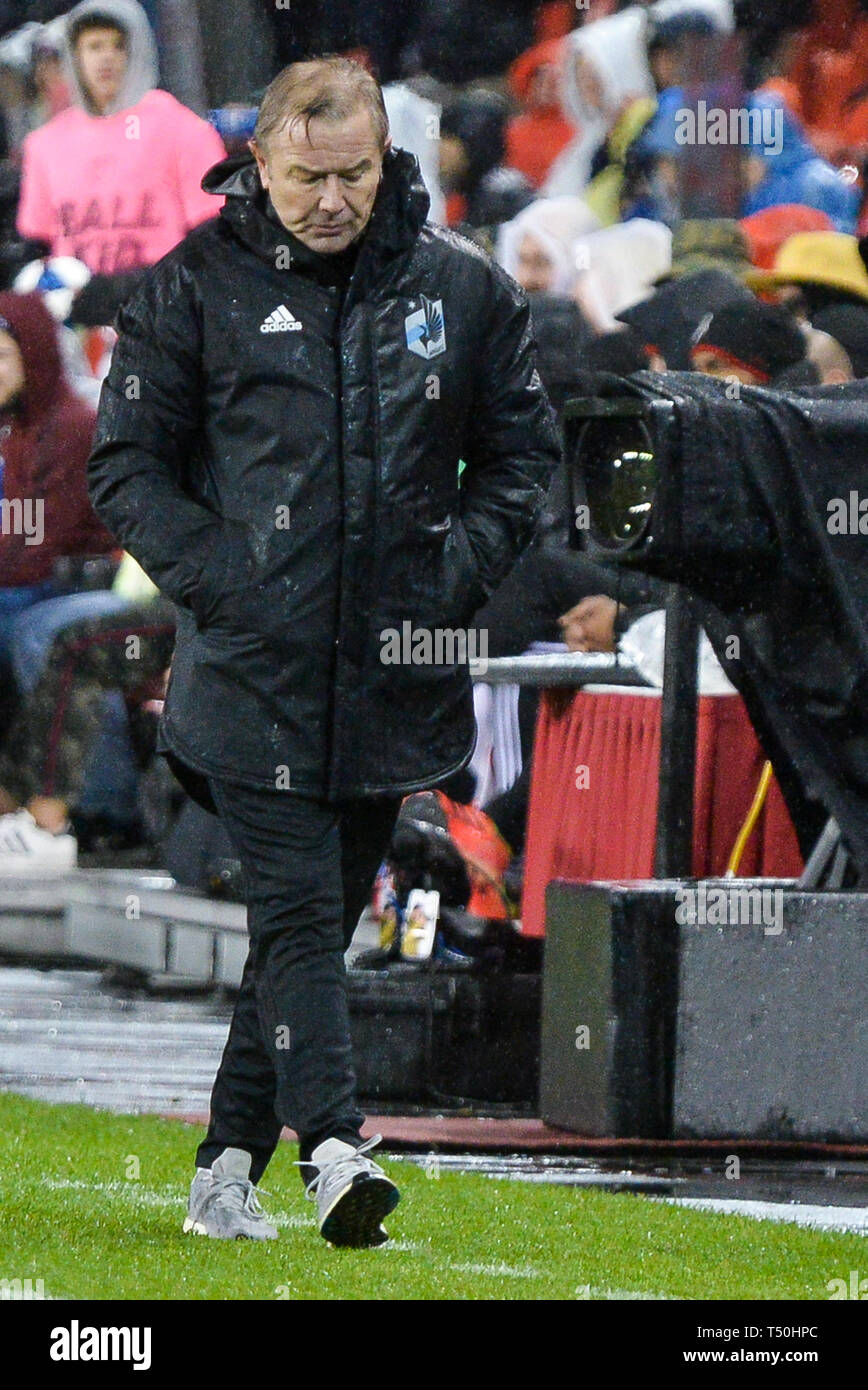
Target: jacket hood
<point>556,224</point>
<point>794,172</point>
<point>616,48</point>
<point>523,71</point>
<point>35,332</point>
<point>613,48</point>
<point>399,212</point>
<point>142,64</point>
<point>776,136</point>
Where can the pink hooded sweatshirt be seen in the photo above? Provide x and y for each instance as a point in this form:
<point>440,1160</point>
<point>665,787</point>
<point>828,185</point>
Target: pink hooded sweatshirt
<point>118,191</point>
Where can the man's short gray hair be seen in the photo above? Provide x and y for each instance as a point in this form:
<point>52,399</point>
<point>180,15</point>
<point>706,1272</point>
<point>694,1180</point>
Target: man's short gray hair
<point>330,88</point>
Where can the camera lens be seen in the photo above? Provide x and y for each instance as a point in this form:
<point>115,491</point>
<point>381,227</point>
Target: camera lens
<point>620,476</point>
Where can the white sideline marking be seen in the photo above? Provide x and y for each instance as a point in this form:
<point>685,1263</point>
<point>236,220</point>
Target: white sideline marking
<point>501,1270</point>
<point>851,1219</point>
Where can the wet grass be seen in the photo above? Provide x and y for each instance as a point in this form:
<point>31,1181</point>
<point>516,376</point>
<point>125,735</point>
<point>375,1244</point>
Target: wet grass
<point>92,1204</point>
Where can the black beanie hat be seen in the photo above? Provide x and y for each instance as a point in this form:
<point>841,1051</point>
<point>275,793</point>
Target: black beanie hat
<point>761,337</point>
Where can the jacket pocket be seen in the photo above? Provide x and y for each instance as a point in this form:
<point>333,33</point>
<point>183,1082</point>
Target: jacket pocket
<point>467,592</point>
<point>453,588</point>
<point>225,574</point>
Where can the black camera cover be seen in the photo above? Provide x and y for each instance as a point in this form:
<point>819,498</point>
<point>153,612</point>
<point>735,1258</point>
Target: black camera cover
<point>761,510</point>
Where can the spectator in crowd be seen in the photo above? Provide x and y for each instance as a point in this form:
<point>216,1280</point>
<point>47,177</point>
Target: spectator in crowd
<point>767,230</point>
<point>751,343</point>
<point>553,246</point>
<point>642,121</point>
<point>606,66</point>
<point>828,69</point>
<point>781,166</point>
<point>50,86</point>
<point>619,266</point>
<point>537,246</point>
<point>649,184</point>
<point>667,320</point>
<point>774,32</point>
<point>669,41</point>
<point>46,437</point>
<point>458,43</point>
<point>848,325</point>
<point>709,243</point>
<point>536,136</point>
<point>813,271</point>
<point>480,190</point>
<point>829,363</point>
<point>622,351</point>
<point>48,754</point>
<point>114,180</point>
<point>606,188</point>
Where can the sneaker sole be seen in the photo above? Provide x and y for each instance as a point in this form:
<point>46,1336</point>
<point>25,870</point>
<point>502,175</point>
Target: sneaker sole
<point>196,1228</point>
<point>354,1217</point>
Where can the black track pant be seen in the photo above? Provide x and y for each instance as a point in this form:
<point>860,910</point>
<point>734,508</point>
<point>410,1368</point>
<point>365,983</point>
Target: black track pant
<point>309,867</point>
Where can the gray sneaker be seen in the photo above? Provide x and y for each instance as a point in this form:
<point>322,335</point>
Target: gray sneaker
<point>223,1201</point>
<point>352,1193</point>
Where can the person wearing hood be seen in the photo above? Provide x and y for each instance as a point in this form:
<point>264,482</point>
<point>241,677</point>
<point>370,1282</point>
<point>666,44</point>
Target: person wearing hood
<point>766,231</point>
<point>556,246</point>
<point>787,169</point>
<point>606,67</point>
<point>650,185</point>
<point>481,191</point>
<point>619,267</point>
<point>537,247</point>
<point>46,431</point>
<point>46,523</point>
<point>813,271</point>
<point>536,136</point>
<point>610,185</point>
<point>315,362</point>
<point>114,180</point>
<point>608,188</point>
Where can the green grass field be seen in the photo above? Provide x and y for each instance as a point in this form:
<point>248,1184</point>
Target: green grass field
<point>92,1204</point>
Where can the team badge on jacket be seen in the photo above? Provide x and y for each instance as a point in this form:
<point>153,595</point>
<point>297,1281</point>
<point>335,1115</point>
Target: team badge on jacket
<point>425,329</point>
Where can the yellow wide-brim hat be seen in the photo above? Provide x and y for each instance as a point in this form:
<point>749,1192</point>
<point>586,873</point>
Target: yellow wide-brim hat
<point>815,258</point>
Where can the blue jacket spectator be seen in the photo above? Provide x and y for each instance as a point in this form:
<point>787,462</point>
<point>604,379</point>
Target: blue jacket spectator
<point>796,174</point>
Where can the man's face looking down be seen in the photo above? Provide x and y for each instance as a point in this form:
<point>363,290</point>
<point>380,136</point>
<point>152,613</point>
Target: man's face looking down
<point>323,180</point>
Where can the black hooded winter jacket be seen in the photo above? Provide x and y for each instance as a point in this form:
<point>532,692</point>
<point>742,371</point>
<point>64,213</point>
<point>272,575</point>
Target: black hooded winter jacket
<point>281,456</point>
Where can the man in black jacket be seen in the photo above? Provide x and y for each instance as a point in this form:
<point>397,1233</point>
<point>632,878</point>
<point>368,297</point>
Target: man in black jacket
<point>278,444</point>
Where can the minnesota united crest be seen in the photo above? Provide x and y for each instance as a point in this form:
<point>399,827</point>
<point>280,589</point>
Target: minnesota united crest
<point>425,329</point>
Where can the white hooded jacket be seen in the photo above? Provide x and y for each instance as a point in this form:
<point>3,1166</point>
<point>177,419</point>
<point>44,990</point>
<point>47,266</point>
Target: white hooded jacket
<point>616,48</point>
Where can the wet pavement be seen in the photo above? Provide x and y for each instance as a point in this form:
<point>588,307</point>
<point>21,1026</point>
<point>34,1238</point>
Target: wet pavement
<point>65,1037</point>
<point>811,1193</point>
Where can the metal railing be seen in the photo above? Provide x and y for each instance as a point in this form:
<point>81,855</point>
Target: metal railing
<point>547,669</point>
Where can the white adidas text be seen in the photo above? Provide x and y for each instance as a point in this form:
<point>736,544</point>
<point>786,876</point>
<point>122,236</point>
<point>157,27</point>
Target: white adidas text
<point>280,320</point>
